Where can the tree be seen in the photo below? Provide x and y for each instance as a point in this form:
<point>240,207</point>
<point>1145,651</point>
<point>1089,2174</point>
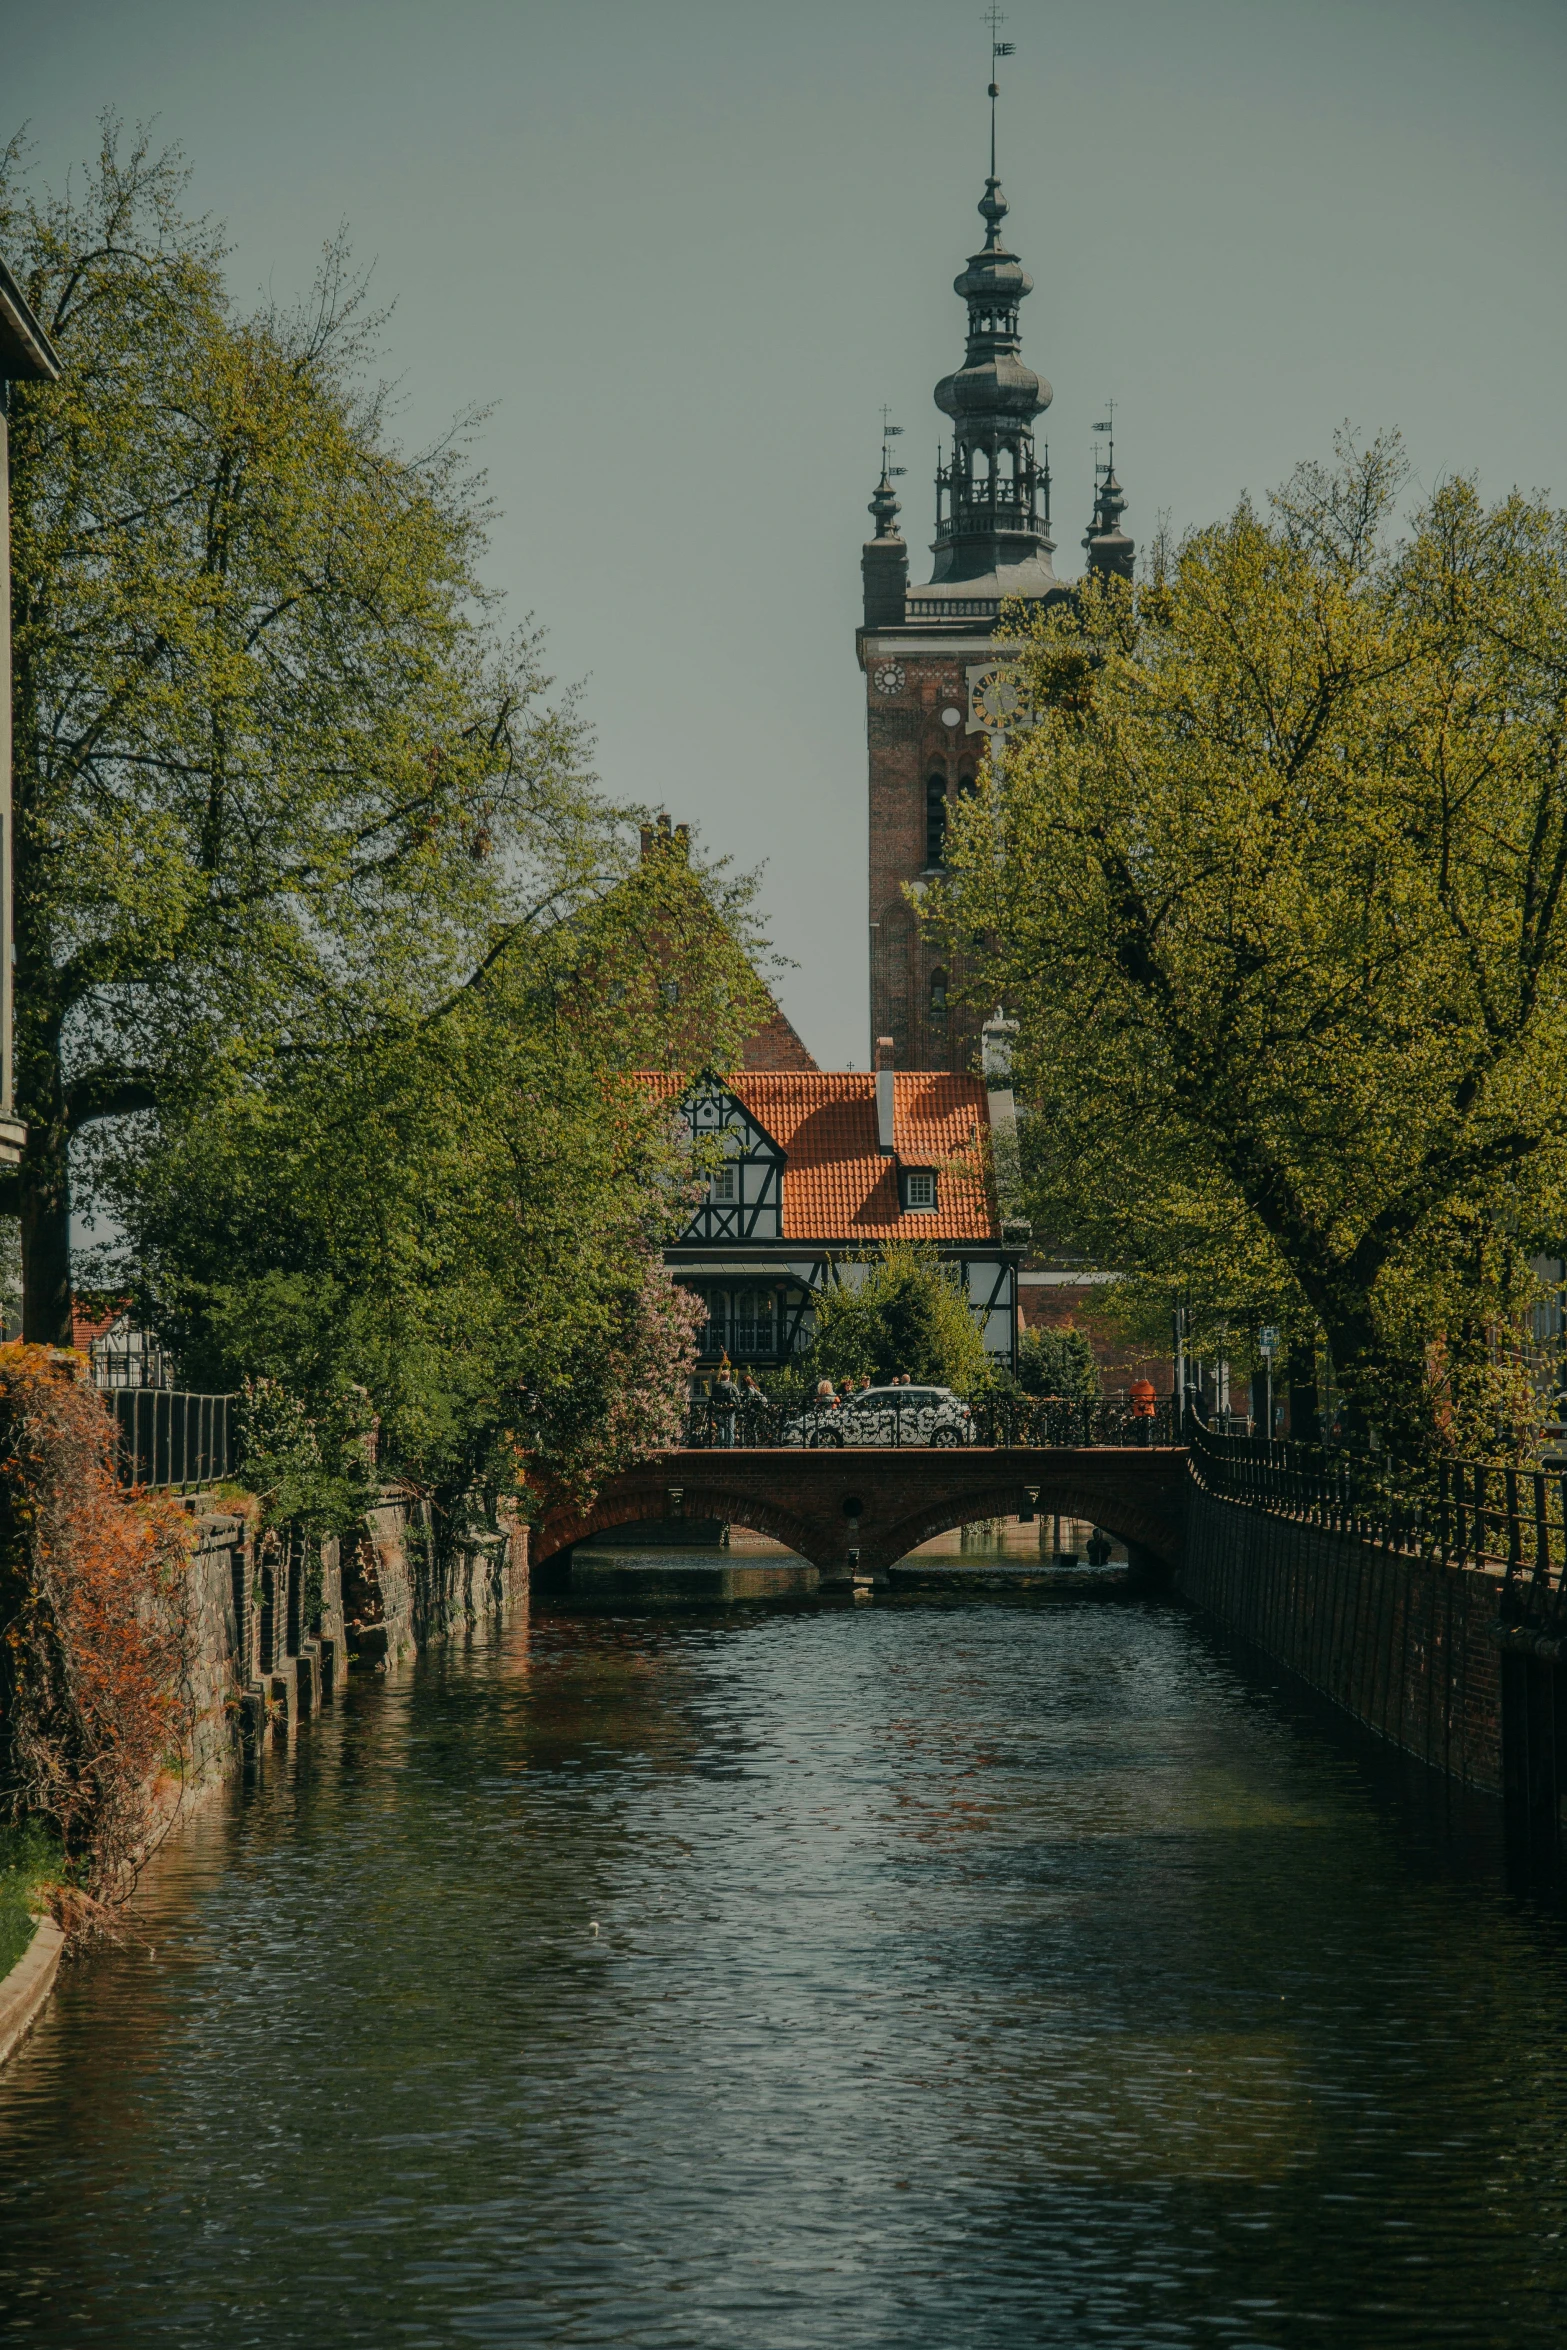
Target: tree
<point>453,1225</point>
<point>1057,1361</point>
<point>905,1315</point>
<point>1275,888</point>
<point>276,775</point>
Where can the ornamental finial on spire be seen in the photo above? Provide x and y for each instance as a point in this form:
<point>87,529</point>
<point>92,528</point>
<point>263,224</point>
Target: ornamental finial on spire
<point>993,205</point>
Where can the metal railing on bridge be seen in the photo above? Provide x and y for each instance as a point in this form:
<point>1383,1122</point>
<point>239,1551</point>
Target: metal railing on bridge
<point>170,1439</point>
<point>930,1419</point>
<point>1496,1516</point>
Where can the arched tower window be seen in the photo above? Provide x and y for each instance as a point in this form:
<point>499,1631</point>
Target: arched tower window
<point>936,820</point>
<point>938,995</point>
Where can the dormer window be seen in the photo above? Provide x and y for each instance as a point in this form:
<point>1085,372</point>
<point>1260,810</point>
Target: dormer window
<point>919,1191</point>
<point>726,1185</point>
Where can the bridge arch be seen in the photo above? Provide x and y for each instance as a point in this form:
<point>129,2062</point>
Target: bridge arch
<point>626,1503</point>
<point>1140,1528</point>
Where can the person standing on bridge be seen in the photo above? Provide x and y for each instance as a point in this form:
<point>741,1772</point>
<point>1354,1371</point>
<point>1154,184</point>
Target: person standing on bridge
<point>726,1398</point>
<point>1145,1408</point>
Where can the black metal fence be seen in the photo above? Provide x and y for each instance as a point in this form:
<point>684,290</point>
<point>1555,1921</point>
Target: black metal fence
<point>929,1419</point>
<point>1496,1516</point>
<point>171,1439</point>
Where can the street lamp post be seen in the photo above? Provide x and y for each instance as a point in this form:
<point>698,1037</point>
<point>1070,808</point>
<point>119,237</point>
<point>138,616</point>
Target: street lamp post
<point>26,356</point>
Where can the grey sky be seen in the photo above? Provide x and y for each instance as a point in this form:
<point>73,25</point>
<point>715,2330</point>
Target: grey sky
<point>688,250</point>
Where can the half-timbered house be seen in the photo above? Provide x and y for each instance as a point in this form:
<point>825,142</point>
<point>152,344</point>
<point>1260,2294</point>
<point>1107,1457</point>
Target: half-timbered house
<point>820,1168</point>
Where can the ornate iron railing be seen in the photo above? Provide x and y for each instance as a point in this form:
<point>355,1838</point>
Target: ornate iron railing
<point>1007,1423</point>
<point>1496,1516</point>
<point>172,1439</point>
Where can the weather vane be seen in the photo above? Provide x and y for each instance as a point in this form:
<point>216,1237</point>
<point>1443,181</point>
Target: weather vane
<point>1106,465</point>
<point>889,432</point>
<point>996,18</point>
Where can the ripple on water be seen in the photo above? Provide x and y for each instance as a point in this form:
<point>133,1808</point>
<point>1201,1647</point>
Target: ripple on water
<point>964,1976</point>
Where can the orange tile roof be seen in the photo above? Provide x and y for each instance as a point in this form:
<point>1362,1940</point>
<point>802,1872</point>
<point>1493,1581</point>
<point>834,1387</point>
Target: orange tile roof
<point>837,1184</point>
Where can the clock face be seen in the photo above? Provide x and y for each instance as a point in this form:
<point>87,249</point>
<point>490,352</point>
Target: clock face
<point>994,701</point>
<point>890,679</point>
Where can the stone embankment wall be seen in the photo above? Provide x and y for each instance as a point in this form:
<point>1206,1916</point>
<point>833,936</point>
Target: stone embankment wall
<point>1406,1645</point>
<point>277,1623</point>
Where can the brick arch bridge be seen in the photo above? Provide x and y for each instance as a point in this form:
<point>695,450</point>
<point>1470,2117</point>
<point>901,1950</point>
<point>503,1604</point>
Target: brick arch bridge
<point>885,1503</point>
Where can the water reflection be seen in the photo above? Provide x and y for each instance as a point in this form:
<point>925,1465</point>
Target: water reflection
<point>962,1976</point>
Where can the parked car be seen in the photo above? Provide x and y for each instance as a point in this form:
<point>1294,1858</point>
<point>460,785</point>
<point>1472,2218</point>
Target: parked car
<point>886,1415</point>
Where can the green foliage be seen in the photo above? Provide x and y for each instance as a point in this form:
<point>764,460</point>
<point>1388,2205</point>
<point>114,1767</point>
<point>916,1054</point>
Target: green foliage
<point>277,775</point>
<point>1057,1362</point>
<point>325,937</point>
<point>310,1467</point>
<point>1275,889</point>
<point>905,1315</point>
<point>452,1226</point>
<point>29,1858</point>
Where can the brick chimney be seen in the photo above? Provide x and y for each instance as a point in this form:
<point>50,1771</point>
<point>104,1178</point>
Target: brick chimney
<point>885,1095</point>
<point>663,839</point>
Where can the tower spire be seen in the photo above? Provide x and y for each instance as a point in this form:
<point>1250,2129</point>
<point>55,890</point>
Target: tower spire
<point>993,498</point>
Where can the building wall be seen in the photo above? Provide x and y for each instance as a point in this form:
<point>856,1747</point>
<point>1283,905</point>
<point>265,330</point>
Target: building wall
<point>907,744</point>
<point>1405,1645</point>
<point>777,1045</point>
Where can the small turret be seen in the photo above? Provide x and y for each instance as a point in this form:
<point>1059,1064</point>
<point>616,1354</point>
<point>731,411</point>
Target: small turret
<point>884,559</point>
<point>1111,554</point>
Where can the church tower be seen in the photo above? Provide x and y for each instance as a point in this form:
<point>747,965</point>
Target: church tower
<point>932,659</point>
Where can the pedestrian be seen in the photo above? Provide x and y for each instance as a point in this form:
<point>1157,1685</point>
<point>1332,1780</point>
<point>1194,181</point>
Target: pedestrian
<point>1145,1409</point>
<point>726,1398</point>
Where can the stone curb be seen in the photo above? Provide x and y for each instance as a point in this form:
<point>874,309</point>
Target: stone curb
<point>29,1983</point>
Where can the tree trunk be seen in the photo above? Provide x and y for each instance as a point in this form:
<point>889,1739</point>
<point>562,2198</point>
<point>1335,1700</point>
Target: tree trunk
<point>46,1235</point>
<point>1300,1373</point>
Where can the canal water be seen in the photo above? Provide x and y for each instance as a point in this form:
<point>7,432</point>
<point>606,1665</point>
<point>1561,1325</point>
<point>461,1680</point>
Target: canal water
<point>912,1974</point>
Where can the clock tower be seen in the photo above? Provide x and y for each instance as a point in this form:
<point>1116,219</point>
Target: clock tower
<point>936,690</point>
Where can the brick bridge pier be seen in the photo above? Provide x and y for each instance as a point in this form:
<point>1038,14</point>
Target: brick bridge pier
<point>884,1503</point>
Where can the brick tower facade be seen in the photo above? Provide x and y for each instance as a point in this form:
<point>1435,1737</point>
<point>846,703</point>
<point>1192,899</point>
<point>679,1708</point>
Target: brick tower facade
<point>937,695</point>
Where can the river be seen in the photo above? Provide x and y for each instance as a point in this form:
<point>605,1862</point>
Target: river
<point>913,1974</point>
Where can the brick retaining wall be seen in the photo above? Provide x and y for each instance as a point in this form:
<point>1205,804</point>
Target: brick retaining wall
<point>275,1626</point>
<point>1404,1644</point>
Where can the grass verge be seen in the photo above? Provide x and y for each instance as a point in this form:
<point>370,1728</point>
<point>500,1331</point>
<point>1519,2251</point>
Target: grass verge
<point>28,1858</point>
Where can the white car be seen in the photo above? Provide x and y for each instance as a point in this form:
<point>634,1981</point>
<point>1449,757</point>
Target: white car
<point>886,1416</point>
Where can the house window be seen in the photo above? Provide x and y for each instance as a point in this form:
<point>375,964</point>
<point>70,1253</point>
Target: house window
<point>741,1323</point>
<point>726,1184</point>
<point>919,1191</point>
